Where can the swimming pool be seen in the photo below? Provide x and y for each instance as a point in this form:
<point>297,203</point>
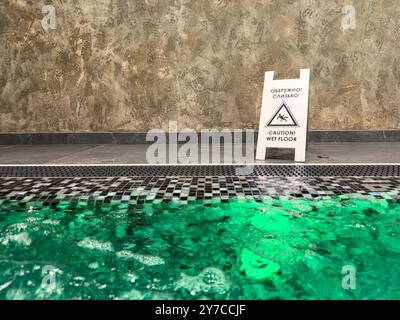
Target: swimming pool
<point>176,232</point>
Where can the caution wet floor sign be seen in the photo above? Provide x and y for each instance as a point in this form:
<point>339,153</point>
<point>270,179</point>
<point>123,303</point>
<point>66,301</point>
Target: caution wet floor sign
<point>284,115</point>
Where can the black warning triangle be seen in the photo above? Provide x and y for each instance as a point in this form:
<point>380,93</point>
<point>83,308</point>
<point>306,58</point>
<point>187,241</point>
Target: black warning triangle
<point>283,118</point>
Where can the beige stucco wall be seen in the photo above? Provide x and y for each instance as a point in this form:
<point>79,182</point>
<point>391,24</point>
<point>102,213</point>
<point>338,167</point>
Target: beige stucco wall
<point>132,65</point>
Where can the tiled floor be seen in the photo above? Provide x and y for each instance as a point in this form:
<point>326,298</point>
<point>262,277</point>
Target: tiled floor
<point>136,154</point>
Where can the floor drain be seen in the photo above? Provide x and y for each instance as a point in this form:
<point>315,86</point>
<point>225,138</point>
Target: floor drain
<point>201,171</point>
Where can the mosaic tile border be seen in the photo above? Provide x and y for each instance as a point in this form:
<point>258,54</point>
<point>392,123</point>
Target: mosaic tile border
<point>136,191</point>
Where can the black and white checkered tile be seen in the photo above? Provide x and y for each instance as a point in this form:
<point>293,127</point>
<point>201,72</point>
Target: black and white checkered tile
<point>158,189</point>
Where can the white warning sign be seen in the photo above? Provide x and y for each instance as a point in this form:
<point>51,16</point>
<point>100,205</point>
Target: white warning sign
<point>284,115</point>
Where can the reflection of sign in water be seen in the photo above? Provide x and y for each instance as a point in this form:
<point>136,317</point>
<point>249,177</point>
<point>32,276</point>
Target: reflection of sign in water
<point>283,118</point>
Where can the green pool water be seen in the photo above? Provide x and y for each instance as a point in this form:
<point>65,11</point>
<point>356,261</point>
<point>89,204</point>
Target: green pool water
<point>277,249</point>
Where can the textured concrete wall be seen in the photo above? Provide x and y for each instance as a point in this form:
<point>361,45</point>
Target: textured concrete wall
<point>132,65</point>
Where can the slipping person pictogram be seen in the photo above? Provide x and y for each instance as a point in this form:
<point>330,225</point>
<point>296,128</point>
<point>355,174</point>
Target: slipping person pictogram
<point>283,117</point>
